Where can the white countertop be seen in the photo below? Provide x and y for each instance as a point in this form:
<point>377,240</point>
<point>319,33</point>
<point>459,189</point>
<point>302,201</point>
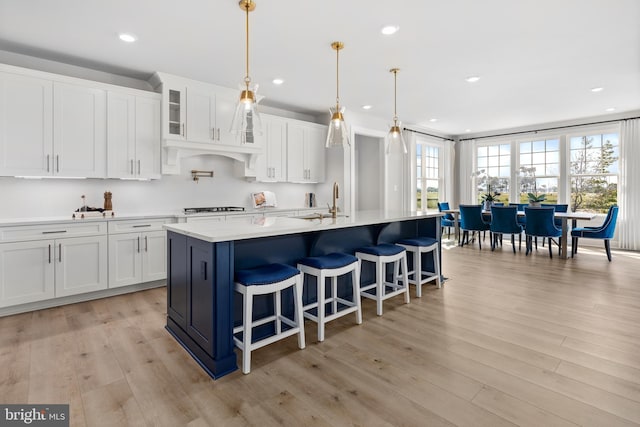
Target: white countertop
<point>250,228</point>
<point>120,216</point>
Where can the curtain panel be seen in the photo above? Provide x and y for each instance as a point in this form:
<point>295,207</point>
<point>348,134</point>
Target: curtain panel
<point>629,191</point>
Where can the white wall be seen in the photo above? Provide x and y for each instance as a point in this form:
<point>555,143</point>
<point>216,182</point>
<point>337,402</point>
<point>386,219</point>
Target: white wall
<point>367,172</point>
<point>22,198</point>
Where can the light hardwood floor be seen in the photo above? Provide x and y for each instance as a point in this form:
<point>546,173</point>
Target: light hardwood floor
<point>508,340</point>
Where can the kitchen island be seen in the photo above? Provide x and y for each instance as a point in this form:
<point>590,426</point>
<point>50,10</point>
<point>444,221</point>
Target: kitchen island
<point>202,257</point>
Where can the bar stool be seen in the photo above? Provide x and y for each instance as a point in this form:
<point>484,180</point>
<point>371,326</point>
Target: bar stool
<point>382,255</point>
<point>331,266</point>
<point>267,279</point>
<point>418,246</point>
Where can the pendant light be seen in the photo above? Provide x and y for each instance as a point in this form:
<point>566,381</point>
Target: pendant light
<point>395,133</point>
<point>338,135</point>
<point>246,120</point>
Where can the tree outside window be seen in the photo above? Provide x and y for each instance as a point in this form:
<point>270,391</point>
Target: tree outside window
<point>594,172</point>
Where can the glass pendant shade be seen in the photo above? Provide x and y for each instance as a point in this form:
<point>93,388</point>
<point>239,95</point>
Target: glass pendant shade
<point>395,138</point>
<point>338,134</point>
<point>246,121</point>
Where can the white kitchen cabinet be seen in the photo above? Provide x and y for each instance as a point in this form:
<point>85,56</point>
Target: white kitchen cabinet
<point>271,165</point>
<point>26,125</point>
<point>79,131</point>
<point>26,272</point>
<point>43,262</point>
<point>133,136</point>
<point>197,112</point>
<point>305,152</point>
<point>140,256</point>
<point>80,265</point>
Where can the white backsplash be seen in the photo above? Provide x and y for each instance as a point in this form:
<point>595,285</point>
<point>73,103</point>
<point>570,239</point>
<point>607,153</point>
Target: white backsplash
<point>22,198</point>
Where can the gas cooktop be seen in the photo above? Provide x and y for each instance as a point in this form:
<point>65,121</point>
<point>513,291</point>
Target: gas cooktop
<point>214,209</point>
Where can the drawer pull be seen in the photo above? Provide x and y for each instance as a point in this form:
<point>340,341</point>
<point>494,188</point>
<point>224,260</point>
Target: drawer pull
<point>142,225</point>
<point>53,232</point>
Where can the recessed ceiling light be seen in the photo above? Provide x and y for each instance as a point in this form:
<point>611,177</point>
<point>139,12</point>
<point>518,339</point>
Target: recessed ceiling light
<point>389,29</point>
<point>467,130</point>
<point>277,81</point>
<point>472,79</point>
<point>129,38</point>
<point>610,109</point>
<point>367,107</point>
<point>597,89</point>
<point>433,120</point>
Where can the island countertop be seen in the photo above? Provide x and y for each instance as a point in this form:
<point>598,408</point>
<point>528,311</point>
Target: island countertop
<point>249,228</point>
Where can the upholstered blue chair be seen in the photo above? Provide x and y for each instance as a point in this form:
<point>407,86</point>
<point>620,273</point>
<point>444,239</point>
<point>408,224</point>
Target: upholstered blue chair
<point>558,208</point>
<point>540,224</point>
<point>604,232</point>
<point>522,219</point>
<point>471,220</point>
<point>504,220</point>
<point>447,220</point>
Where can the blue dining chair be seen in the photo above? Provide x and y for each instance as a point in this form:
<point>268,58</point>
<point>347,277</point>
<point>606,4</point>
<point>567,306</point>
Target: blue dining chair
<point>447,220</point>
<point>522,219</point>
<point>540,224</point>
<point>604,232</point>
<point>471,220</point>
<point>504,220</point>
<point>558,208</point>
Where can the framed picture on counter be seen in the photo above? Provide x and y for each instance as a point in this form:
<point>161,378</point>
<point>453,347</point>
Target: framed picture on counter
<point>263,199</point>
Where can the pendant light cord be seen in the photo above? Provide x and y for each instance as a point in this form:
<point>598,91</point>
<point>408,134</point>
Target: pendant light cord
<point>337,78</point>
<point>395,96</point>
<point>247,79</point>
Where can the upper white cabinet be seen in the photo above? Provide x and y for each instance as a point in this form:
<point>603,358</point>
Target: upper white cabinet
<point>195,111</point>
<point>26,125</point>
<point>305,152</point>
<point>79,131</point>
<point>133,135</point>
<point>272,165</point>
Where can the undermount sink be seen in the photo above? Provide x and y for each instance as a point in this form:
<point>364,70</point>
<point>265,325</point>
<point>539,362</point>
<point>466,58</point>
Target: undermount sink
<point>320,216</point>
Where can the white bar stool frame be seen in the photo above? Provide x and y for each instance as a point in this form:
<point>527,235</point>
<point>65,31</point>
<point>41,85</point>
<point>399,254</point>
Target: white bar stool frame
<point>297,326</point>
<point>320,304</point>
<point>381,284</point>
<point>417,272</point>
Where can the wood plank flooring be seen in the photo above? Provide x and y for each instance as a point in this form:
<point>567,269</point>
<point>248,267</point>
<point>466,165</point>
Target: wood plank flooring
<point>508,340</point>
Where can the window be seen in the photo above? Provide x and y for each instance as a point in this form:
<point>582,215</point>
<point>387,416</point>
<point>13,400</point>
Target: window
<point>594,172</point>
<point>428,181</point>
<point>494,171</point>
<point>539,169</point>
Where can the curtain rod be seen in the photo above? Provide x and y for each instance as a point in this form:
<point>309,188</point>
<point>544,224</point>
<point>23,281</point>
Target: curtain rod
<point>546,129</point>
<point>428,134</point>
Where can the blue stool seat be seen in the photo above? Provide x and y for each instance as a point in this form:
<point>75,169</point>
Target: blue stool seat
<point>269,279</point>
<point>384,249</point>
<point>327,304</point>
<point>334,260</point>
<point>266,274</point>
<point>419,241</point>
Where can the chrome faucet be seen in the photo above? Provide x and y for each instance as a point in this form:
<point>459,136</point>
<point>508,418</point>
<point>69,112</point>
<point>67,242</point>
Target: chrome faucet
<point>334,209</point>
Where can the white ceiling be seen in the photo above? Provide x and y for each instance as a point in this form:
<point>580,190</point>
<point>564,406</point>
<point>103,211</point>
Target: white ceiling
<point>537,60</point>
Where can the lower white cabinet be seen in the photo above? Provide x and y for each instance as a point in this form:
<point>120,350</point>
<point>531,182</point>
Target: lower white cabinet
<point>33,271</point>
<point>137,258</point>
<point>137,251</point>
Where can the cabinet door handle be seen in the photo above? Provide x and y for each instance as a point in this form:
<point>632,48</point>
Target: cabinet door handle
<point>218,134</point>
<point>146,244</point>
<point>138,244</point>
<point>203,270</point>
<point>57,163</point>
<point>131,161</point>
<point>49,253</point>
<point>59,252</point>
<point>182,132</point>
<point>48,158</point>
<point>139,167</point>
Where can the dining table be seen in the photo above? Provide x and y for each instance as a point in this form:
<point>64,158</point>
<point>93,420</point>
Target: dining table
<point>563,216</point>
